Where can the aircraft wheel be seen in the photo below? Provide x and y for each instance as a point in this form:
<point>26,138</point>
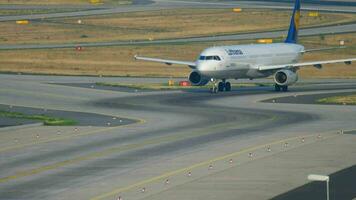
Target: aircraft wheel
<point>277,87</point>
<point>227,86</point>
<point>221,86</point>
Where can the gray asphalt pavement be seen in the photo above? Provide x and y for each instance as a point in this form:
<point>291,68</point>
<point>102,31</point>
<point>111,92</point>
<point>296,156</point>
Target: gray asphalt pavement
<point>176,129</point>
<point>81,118</point>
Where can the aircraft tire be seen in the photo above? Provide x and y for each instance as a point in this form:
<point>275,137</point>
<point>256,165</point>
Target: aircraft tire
<point>221,86</point>
<point>277,87</point>
<point>227,86</point>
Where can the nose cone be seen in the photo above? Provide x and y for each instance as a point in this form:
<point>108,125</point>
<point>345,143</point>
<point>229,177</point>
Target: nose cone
<point>204,66</point>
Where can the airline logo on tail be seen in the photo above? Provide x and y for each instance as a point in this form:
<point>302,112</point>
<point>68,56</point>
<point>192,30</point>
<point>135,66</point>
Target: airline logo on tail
<point>294,24</point>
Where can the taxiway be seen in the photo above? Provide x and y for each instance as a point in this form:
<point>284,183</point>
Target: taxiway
<point>177,132</point>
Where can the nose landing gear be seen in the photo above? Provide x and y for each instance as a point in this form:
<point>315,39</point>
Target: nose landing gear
<point>221,86</point>
<point>278,88</point>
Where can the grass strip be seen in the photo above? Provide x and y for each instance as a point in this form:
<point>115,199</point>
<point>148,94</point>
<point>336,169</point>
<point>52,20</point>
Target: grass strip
<point>47,120</point>
<point>175,86</point>
<point>349,99</point>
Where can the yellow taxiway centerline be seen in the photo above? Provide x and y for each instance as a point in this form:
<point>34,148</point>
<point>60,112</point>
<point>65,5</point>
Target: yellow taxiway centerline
<point>106,152</point>
<point>59,138</point>
<point>204,163</point>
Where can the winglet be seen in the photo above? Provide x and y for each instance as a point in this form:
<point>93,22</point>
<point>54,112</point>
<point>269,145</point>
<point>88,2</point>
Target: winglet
<point>294,24</point>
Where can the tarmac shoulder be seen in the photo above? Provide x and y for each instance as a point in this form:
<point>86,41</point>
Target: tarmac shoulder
<point>81,118</point>
<point>307,99</point>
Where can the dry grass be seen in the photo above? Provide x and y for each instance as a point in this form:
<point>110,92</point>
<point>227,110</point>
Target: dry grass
<point>346,100</point>
<point>6,12</point>
<point>334,70</point>
<point>93,61</point>
<point>118,61</point>
<point>156,25</point>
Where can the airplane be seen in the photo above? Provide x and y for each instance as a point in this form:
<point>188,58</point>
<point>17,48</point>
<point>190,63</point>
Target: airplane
<point>252,61</point>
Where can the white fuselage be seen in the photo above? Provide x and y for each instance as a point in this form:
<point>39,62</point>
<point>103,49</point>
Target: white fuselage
<point>242,61</point>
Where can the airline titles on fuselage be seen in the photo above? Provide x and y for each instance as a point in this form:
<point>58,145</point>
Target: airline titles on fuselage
<point>234,52</point>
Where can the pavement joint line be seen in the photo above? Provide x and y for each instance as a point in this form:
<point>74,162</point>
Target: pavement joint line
<point>44,94</point>
<point>54,84</point>
<point>5,149</point>
<point>106,152</point>
<point>59,138</point>
<point>201,164</point>
<point>140,120</point>
<point>248,161</point>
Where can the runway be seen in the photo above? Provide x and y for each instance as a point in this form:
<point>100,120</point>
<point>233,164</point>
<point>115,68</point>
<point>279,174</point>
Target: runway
<point>177,132</point>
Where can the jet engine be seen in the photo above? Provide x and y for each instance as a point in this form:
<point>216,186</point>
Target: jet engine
<point>197,79</point>
<point>285,77</point>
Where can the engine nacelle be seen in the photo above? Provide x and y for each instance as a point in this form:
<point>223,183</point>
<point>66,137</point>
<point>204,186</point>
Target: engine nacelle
<point>197,79</point>
<point>285,77</point>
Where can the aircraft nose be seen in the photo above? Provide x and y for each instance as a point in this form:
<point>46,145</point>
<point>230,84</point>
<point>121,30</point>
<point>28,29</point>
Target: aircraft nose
<point>206,66</point>
<point>203,66</point>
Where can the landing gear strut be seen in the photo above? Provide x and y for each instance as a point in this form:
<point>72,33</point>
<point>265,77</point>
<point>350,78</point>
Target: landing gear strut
<point>215,88</point>
<point>278,88</point>
<point>221,86</point>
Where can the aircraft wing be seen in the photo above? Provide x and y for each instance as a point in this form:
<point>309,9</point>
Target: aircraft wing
<point>168,62</point>
<point>317,64</point>
<point>323,49</point>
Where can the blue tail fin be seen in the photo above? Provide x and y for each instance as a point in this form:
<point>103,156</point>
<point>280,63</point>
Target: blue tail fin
<point>294,24</point>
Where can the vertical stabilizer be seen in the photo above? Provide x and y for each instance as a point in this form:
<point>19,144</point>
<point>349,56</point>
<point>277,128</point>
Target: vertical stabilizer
<point>294,24</point>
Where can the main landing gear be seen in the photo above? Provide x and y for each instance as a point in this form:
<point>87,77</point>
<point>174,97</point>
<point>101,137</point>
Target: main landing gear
<point>221,86</point>
<point>278,88</point>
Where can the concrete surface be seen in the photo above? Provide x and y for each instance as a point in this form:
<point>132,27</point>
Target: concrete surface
<point>177,132</point>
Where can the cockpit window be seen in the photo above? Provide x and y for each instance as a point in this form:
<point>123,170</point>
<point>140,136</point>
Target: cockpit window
<point>202,58</point>
<point>209,58</point>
